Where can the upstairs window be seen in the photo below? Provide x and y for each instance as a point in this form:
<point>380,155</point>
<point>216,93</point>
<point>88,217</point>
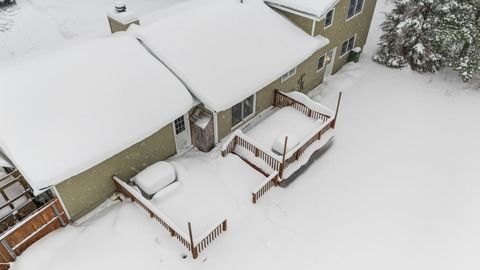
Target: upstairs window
<point>242,110</point>
<point>329,18</point>
<point>289,74</point>
<point>348,45</point>
<point>355,7</point>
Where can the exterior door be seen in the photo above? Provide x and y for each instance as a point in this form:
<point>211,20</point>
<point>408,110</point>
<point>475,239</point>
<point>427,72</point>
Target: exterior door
<point>181,130</point>
<point>330,60</point>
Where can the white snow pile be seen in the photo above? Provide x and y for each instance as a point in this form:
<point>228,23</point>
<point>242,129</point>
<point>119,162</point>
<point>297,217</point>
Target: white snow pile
<point>74,108</point>
<point>155,177</point>
<point>226,51</point>
<point>313,8</point>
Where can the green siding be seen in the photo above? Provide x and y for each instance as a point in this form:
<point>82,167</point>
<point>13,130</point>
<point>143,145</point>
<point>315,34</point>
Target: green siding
<point>264,97</point>
<point>83,192</point>
<point>343,29</point>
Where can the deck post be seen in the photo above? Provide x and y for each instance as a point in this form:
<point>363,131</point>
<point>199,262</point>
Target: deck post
<point>224,225</point>
<point>282,166</point>
<point>57,213</point>
<point>334,122</point>
<point>194,248</point>
<point>9,249</point>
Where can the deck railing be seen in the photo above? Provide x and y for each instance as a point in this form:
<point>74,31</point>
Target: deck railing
<point>281,100</point>
<point>271,181</point>
<point>195,247</point>
<point>240,139</point>
<point>17,239</point>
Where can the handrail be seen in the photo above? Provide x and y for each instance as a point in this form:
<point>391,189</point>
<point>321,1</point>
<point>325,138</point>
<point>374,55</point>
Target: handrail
<point>8,175</point>
<point>14,199</point>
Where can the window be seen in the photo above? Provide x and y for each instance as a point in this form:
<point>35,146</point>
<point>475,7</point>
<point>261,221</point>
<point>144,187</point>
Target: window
<point>355,7</point>
<point>321,63</point>
<point>179,125</point>
<point>288,75</point>
<point>242,110</point>
<point>347,46</point>
<point>329,18</point>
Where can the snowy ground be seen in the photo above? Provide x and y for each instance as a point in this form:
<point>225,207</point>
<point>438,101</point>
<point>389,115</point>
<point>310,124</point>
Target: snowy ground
<point>398,189</point>
<point>283,122</point>
<point>34,25</point>
<point>209,188</point>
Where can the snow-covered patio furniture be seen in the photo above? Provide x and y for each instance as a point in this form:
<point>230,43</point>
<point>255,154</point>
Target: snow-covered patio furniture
<point>154,178</point>
<point>309,122</point>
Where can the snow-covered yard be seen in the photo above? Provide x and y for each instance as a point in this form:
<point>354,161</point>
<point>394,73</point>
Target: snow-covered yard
<point>209,189</point>
<point>398,189</point>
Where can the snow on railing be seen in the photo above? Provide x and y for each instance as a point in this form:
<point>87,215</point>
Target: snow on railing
<point>203,241</point>
<point>271,181</point>
<point>238,138</point>
<point>194,246</point>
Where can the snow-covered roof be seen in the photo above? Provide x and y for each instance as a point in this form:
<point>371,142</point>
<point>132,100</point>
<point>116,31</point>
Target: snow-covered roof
<point>70,110</point>
<point>314,9</point>
<point>226,51</point>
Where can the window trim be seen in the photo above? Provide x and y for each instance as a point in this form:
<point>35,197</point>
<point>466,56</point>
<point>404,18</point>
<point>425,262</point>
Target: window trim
<point>355,14</point>
<point>324,58</point>
<point>175,126</point>
<point>354,42</point>
<point>325,21</point>
<point>284,79</point>
<point>248,117</point>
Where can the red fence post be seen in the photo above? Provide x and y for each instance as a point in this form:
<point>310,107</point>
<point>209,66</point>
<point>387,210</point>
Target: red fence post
<point>334,122</point>
<point>194,248</point>
<point>282,166</point>
<point>224,225</point>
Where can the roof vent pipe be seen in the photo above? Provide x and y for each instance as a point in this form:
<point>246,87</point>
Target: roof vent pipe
<point>120,7</point>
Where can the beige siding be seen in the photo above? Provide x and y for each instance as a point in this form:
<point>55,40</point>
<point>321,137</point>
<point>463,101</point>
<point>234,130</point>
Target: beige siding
<point>264,97</point>
<point>87,190</point>
<point>118,27</point>
<point>341,28</point>
<point>304,23</point>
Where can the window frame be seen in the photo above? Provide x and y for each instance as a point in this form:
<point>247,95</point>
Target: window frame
<point>318,61</point>
<point>325,26</point>
<point>348,40</point>
<point>247,117</point>
<point>178,124</point>
<point>354,12</point>
<point>287,75</point>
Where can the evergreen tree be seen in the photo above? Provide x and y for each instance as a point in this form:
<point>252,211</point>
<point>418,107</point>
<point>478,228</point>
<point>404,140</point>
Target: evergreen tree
<point>459,35</point>
<point>409,36</point>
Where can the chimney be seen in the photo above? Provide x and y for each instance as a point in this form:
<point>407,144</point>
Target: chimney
<point>120,19</point>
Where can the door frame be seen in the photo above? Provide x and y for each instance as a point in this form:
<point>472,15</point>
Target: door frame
<point>328,73</point>
<point>184,148</point>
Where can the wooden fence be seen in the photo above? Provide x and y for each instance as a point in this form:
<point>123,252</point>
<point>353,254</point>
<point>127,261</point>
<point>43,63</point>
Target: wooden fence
<point>271,181</point>
<point>174,231</point>
<point>281,100</point>
<point>46,219</point>
<point>259,153</point>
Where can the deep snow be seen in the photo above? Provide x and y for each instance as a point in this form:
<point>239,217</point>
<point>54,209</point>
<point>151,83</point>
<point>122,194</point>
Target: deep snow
<point>398,189</point>
<point>38,25</point>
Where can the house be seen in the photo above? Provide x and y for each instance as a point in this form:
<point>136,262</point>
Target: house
<point>115,105</point>
<point>89,111</point>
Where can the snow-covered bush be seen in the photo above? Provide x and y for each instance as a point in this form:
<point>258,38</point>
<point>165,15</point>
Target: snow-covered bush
<point>430,34</point>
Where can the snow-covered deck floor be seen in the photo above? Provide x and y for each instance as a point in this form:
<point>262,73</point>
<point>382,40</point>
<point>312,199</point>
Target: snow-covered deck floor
<point>204,193</point>
<point>279,123</point>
